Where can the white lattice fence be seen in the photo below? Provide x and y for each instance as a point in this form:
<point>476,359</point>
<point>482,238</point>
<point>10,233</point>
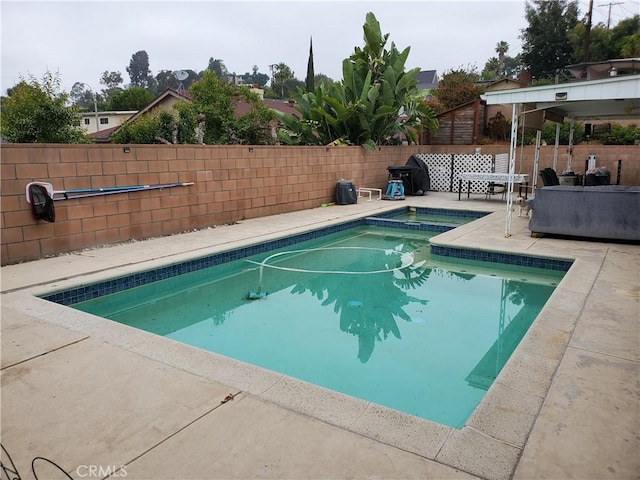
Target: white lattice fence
<point>467,163</point>
<point>502,163</point>
<point>439,165</point>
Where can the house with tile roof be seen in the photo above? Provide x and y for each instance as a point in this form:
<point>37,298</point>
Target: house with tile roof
<point>167,99</point>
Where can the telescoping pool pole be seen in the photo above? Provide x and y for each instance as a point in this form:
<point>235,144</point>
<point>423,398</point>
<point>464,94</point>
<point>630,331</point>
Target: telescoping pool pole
<point>103,189</point>
<point>95,192</point>
<point>135,188</point>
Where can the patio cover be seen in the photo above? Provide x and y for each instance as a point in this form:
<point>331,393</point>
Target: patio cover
<point>610,98</point>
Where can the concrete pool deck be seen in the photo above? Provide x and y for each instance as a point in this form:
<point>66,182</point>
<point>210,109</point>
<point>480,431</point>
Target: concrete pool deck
<point>99,398</point>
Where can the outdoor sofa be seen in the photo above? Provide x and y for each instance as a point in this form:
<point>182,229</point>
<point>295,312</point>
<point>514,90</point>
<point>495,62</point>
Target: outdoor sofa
<point>602,211</point>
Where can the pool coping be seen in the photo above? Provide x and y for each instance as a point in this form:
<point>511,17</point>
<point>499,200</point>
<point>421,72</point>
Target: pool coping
<point>89,291</point>
<point>488,446</point>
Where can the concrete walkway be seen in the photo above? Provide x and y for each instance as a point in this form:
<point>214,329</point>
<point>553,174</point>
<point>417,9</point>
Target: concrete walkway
<point>93,398</point>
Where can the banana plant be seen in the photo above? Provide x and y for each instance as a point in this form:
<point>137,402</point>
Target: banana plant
<point>376,103</point>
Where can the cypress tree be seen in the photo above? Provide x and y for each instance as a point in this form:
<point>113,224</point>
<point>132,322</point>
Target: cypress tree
<point>310,80</point>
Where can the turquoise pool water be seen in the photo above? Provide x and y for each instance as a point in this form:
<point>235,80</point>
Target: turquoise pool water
<point>367,312</point>
<point>434,218</point>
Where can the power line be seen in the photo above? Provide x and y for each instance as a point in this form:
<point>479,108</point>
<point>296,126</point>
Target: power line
<point>610,4</point>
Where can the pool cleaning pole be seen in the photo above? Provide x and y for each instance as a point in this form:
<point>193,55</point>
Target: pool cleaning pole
<point>137,188</point>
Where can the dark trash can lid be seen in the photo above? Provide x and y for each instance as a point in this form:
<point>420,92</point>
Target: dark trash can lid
<point>399,168</point>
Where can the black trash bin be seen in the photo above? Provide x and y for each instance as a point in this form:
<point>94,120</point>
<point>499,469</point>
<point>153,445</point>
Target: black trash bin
<point>419,181</point>
<point>346,193</point>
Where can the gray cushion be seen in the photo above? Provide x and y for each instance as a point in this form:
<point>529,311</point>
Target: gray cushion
<point>602,211</point>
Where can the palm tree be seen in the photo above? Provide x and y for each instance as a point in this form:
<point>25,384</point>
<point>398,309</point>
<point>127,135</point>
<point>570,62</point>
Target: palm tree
<point>502,48</point>
<point>281,74</point>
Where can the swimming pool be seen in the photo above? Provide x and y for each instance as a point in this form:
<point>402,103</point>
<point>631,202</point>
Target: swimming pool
<point>406,295</point>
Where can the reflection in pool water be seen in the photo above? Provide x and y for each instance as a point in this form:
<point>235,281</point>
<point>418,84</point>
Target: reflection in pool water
<point>367,313</point>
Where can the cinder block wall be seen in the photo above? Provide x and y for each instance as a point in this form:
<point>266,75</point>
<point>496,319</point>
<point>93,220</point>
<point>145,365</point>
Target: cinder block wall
<point>231,183</point>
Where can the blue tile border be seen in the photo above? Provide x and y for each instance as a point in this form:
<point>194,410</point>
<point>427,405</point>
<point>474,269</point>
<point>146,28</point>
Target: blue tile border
<point>435,211</point>
<point>408,225</point>
<point>506,258</point>
<point>89,292</point>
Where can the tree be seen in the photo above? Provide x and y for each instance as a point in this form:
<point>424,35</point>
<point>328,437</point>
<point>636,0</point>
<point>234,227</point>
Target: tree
<point>151,127</point>
<point>216,101</point>
<point>281,75</point>
<point>491,69</point>
<point>546,47</point>
<point>218,68</point>
<point>502,48</point>
<point>138,70</point>
<point>599,43</point>
<point>112,82</point>
<point>134,98</point>
<point>212,107</point>
<point>256,78</point>
<point>625,38</point>
<point>457,87</point>
<point>82,97</point>
<point>253,127</point>
<point>310,79</point>
<point>509,67</point>
<point>513,66</point>
<point>322,78</point>
<point>212,98</point>
<point>622,41</point>
<point>282,72</point>
<point>36,112</point>
<point>377,102</point>
<point>166,79</point>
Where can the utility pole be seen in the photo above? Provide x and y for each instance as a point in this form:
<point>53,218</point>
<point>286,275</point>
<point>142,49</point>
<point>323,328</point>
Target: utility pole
<point>610,4</point>
<point>95,106</point>
<point>95,111</point>
<point>587,37</point>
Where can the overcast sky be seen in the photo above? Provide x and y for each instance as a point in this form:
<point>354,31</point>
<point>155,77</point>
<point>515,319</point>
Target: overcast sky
<point>82,39</point>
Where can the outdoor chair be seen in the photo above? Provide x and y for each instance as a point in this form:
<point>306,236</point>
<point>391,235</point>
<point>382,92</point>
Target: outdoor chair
<point>495,188</point>
<point>549,177</point>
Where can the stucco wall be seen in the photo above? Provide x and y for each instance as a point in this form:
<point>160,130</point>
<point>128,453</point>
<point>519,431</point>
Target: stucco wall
<point>231,183</point>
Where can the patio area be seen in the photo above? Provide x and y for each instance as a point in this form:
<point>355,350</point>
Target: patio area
<point>94,399</point>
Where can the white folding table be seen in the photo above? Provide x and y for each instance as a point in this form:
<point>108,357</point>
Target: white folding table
<point>520,178</point>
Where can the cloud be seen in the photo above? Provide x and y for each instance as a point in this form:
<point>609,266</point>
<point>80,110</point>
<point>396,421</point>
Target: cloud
<point>81,40</point>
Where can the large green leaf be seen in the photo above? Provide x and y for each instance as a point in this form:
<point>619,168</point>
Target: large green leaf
<point>366,87</point>
<point>347,75</point>
<point>370,145</point>
<point>363,108</point>
<point>388,87</point>
<point>404,85</point>
<point>401,59</point>
<point>338,108</point>
<point>372,35</point>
